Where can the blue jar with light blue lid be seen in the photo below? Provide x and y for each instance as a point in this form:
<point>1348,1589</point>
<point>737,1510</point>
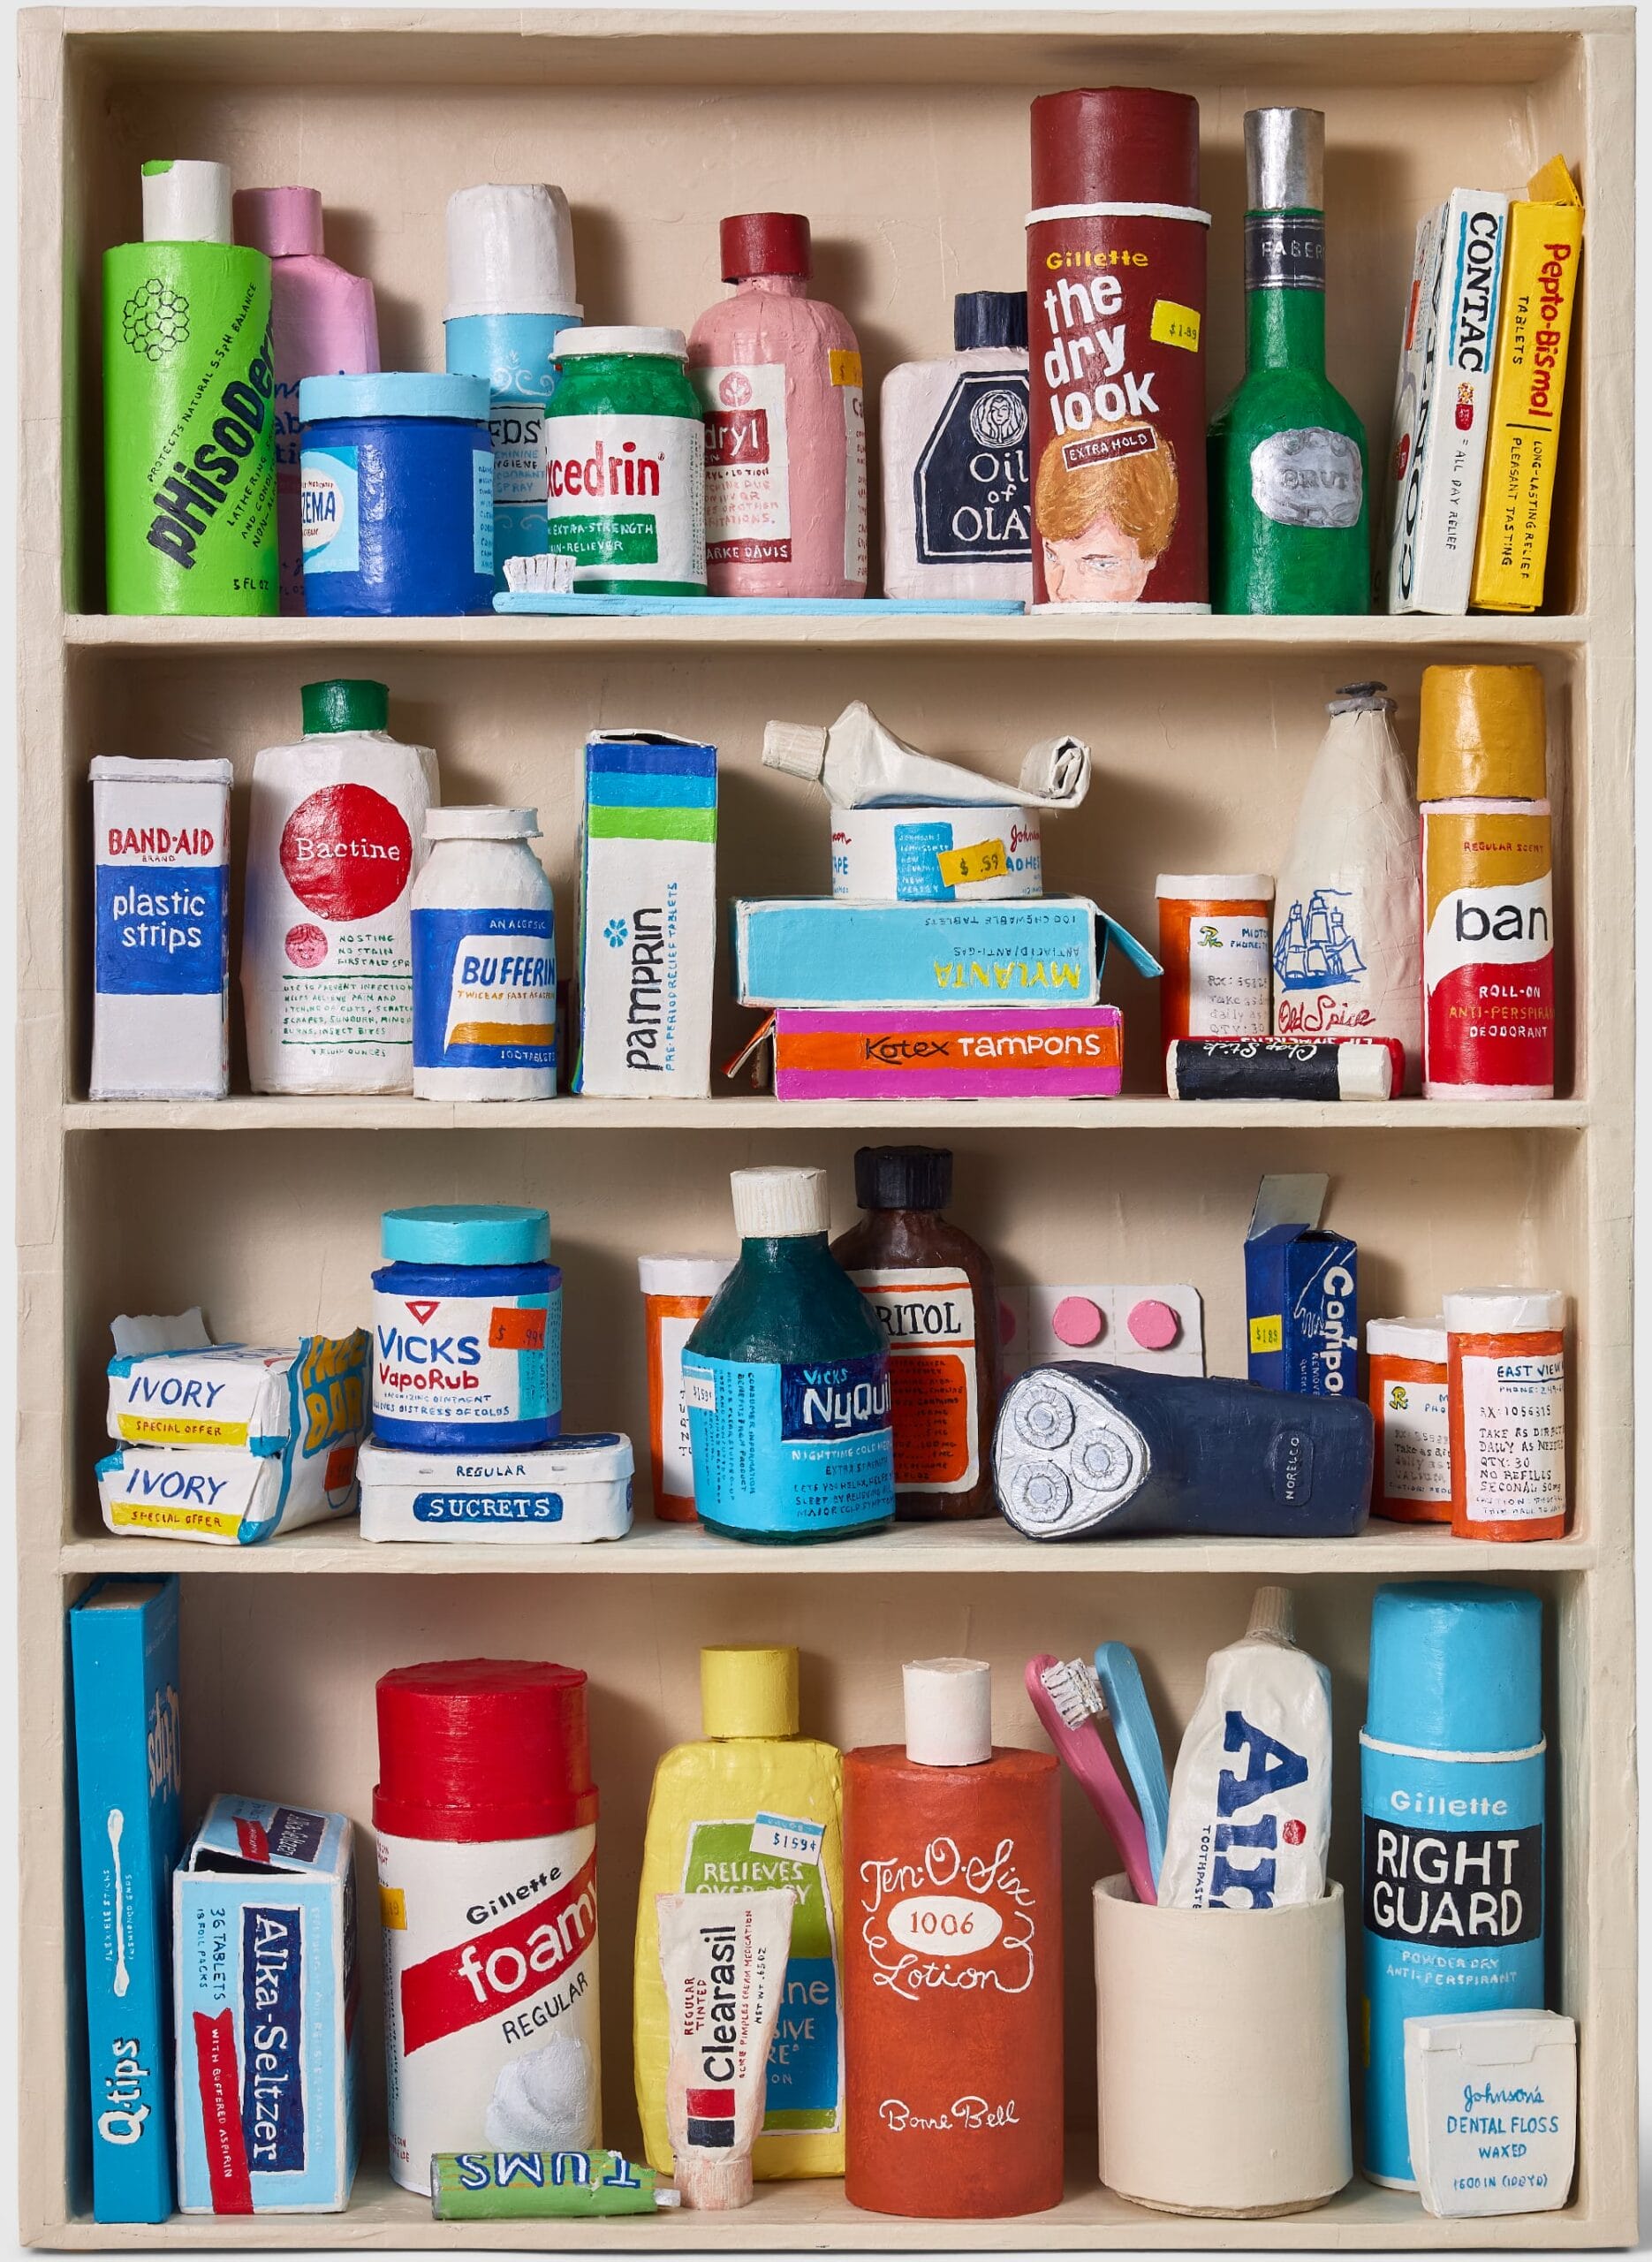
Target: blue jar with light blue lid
<point>396,494</point>
<point>467,1329</point>
<point>1453,1870</point>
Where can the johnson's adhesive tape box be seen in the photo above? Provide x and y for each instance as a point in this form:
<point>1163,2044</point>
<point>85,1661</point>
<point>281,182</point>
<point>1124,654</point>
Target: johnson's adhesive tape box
<point>233,1445</point>
<point>578,1489</point>
<point>266,1992</point>
<point>936,856</point>
<point>1302,1292</point>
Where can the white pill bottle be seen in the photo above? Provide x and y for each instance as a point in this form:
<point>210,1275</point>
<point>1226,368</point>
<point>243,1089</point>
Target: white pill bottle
<point>335,841</point>
<point>484,960</point>
<point>486,1817</point>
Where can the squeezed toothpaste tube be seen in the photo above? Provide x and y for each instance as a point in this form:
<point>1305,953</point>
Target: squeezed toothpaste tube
<point>1250,1800</point>
<point>859,764</point>
<point>724,1957</point>
<point>533,2187</point>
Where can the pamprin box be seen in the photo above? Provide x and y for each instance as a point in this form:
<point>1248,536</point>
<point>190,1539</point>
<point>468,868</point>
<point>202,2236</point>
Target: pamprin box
<point>970,1052</point>
<point>266,1994</point>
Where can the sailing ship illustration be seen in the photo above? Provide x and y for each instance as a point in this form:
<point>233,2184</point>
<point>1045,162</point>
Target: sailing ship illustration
<point>1315,950</point>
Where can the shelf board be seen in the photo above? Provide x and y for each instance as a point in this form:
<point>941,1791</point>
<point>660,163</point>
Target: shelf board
<point>1001,636</point>
<point>987,1548</point>
<point>750,1112</point>
<point>813,2215</point>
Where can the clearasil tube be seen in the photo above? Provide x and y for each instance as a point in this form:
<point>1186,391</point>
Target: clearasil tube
<point>723,1958</point>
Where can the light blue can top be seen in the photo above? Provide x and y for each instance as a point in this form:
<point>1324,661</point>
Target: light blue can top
<point>1456,1668</point>
<point>395,392</point>
<point>467,1233</point>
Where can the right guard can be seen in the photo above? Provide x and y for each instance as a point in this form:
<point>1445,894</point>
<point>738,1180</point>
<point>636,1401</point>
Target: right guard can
<point>1452,1759</point>
<point>1116,246</point>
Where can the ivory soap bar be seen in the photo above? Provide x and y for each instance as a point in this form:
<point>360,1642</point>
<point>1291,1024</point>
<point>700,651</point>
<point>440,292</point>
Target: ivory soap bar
<point>1491,2110</point>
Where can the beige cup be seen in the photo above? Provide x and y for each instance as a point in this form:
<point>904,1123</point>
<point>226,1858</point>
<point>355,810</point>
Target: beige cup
<point>1222,2055</point>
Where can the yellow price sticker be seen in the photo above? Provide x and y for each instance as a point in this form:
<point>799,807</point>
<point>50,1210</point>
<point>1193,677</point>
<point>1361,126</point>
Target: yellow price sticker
<point>1175,325</point>
<point>1268,1334</point>
<point>392,1909</point>
<point>982,859</point>
<point>844,367</point>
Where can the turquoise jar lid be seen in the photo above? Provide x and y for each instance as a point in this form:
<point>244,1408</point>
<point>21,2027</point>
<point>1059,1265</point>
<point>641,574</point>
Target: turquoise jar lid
<point>394,392</point>
<point>1456,1668</point>
<point>467,1233</point>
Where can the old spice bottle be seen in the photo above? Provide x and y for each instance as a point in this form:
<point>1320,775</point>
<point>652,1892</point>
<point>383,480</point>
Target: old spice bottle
<point>951,1962</point>
<point>931,1288</point>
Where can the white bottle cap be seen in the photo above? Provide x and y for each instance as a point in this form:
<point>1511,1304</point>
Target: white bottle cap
<point>683,1276</point>
<point>1271,1615</point>
<point>1406,1339</point>
<point>480,825</point>
<point>623,337</point>
<point>1214,887</point>
<point>509,250</point>
<point>796,748</point>
<point>779,1204</point>
<point>186,201</point>
<point>949,1712</point>
<point>1505,1311</point>
<point>1364,1071</point>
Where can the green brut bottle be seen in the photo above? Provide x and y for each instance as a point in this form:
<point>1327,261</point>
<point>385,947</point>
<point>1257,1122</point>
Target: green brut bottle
<point>1288,522</point>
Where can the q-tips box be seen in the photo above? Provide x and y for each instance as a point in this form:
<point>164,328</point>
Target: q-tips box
<point>267,1999</point>
<point>648,916</point>
<point>824,950</point>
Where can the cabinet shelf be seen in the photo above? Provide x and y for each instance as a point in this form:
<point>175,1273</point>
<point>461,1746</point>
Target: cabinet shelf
<point>987,1549</point>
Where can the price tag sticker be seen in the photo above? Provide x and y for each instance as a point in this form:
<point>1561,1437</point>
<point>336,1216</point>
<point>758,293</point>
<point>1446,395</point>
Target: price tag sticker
<point>982,859</point>
<point>779,1833</point>
<point>1268,1334</point>
<point>1175,325</point>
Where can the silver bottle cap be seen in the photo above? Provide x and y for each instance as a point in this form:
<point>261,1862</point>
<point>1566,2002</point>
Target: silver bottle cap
<point>1284,160</point>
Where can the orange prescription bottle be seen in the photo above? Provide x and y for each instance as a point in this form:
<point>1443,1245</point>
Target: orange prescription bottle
<point>1216,948</point>
<point>1407,1394</point>
<point>675,1291</point>
<point>1505,1354</point>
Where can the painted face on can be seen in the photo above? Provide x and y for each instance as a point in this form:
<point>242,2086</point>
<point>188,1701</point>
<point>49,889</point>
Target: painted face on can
<point>1101,566</point>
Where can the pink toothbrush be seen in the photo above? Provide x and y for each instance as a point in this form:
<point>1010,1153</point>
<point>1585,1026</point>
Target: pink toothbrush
<point>1069,1712</point>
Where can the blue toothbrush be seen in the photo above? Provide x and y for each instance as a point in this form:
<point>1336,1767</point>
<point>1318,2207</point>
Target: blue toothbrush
<point>1127,1708</point>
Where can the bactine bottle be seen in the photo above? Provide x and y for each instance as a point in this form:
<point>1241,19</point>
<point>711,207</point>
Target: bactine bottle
<point>1288,519</point>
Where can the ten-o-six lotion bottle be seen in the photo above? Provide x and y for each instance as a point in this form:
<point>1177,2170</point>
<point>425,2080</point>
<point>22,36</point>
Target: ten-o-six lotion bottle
<point>951,1962</point>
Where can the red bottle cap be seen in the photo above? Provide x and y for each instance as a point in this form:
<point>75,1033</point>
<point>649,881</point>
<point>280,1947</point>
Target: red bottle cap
<point>1115,145</point>
<point>764,243</point>
<point>483,1749</point>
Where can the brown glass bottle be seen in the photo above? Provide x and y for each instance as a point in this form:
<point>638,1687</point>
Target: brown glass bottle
<point>932,1289</point>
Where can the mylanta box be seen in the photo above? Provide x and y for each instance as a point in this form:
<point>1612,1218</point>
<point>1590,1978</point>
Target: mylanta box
<point>837,951</point>
<point>577,1489</point>
<point>1302,1292</point>
<point>648,916</point>
<point>266,1992</point>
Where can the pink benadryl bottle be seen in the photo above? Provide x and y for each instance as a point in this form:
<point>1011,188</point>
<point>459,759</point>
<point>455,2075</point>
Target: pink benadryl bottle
<point>324,323</point>
<point>779,375</point>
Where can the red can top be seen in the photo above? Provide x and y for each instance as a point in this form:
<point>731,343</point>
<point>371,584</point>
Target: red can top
<point>483,1749</point>
<point>764,243</point>
<point>1115,145</point>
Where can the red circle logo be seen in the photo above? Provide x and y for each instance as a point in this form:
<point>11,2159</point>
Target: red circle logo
<point>346,852</point>
<point>1294,1833</point>
<point>307,946</point>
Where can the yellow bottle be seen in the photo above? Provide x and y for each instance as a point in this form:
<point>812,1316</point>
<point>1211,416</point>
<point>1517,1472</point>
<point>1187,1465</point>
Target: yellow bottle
<point>755,1805</point>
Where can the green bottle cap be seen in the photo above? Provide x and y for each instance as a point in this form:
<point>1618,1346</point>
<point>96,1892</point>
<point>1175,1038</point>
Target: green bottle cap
<point>347,703</point>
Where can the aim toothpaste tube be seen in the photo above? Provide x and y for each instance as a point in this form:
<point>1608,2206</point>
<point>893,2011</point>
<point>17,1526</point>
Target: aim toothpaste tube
<point>577,1489</point>
<point>964,1052</point>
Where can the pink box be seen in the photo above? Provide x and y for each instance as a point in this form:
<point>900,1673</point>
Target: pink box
<point>968,1052</point>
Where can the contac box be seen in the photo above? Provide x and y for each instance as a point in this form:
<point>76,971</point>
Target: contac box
<point>267,1992</point>
<point>1301,1300</point>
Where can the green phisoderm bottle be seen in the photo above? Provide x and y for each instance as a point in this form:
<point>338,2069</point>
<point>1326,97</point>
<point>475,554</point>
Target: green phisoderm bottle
<point>785,1378</point>
<point>1289,530</point>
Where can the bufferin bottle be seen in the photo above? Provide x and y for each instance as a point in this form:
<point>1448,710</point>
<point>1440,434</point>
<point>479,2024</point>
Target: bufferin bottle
<point>1288,524</point>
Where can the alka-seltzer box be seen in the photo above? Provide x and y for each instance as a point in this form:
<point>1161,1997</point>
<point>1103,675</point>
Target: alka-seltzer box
<point>813,952</point>
<point>161,1013</point>
<point>266,1992</point>
<point>648,916</point>
<point>1302,1292</point>
<point>239,1494</point>
<point>1443,402</point>
<point>968,1052</point>
<point>578,1489</point>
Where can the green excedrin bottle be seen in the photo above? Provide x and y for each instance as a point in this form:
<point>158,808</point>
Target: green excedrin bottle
<point>785,1378</point>
<point>189,441</point>
<point>1289,530</point>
